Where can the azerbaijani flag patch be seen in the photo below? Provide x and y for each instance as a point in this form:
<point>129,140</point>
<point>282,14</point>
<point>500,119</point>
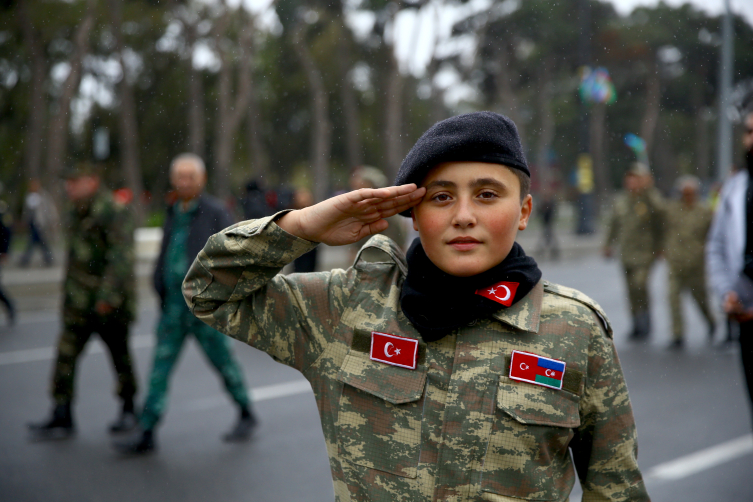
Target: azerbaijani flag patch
<point>538,370</point>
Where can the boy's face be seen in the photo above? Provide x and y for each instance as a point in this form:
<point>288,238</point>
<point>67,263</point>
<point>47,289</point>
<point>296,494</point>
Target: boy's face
<point>470,216</point>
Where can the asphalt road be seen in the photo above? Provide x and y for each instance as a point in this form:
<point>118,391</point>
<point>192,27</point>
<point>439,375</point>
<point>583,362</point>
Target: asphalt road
<point>684,403</point>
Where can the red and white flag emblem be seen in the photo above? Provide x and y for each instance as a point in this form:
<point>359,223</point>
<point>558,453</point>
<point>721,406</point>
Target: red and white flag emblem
<point>502,292</point>
<point>394,350</point>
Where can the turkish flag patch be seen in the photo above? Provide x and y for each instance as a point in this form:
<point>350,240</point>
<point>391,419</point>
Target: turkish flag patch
<point>502,292</point>
<point>538,370</point>
<point>394,350</point>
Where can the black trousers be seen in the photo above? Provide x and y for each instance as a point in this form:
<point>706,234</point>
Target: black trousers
<point>71,344</point>
<point>746,354</point>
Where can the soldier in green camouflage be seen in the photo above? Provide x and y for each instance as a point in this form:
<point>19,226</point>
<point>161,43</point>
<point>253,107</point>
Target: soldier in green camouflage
<point>636,227</point>
<point>687,224</point>
<point>455,421</point>
<point>98,297</point>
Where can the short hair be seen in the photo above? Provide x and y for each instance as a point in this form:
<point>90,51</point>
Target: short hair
<point>372,176</point>
<point>189,157</point>
<point>525,182</point>
<point>688,180</point>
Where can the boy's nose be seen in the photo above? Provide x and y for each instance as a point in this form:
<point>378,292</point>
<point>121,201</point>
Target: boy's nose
<point>464,216</point>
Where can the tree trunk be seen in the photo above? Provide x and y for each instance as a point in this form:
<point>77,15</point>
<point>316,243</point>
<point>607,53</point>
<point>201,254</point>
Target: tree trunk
<point>231,111</point>
<point>393,119</point>
<point>258,151</point>
<point>664,168</point>
<point>353,146</point>
<point>321,129</point>
<point>128,125</point>
<point>702,159</point>
<point>196,104</point>
<point>653,106</point>
<point>506,80</point>
<point>37,105</point>
<point>57,131</point>
<point>546,125</point>
<point>596,134</point>
<point>438,110</point>
<point>196,118</point>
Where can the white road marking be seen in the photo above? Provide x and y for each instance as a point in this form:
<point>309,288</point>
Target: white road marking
<point>258,394</point>
<point>704,459</point>
<point>674,469</point>
<point>46,353</point>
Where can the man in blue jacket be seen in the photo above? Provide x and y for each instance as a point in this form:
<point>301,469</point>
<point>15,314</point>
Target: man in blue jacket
<point>191,220</point>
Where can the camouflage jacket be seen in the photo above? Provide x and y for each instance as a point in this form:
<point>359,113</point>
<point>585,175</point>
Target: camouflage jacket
<point>454,429</point>
<point>636,226</point>
<point>685,234</point>
<point>100,260</point>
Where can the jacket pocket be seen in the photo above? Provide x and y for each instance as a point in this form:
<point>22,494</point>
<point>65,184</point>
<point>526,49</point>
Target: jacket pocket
<point>380,411</point>
<point>527,455</point>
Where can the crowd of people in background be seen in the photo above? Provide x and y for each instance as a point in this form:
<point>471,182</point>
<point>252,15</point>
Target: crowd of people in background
<point>642,227</point>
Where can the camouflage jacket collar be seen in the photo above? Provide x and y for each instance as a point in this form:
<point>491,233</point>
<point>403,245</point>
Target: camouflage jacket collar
<point>525,314</point>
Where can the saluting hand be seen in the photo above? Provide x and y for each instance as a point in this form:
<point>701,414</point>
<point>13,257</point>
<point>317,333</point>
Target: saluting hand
<point>350,217</point>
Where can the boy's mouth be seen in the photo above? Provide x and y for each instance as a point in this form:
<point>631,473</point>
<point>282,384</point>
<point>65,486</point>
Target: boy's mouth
<point>464,243</point>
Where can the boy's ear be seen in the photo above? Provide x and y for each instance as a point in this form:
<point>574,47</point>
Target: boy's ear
<point>413,217</point>
<point>525,212</point>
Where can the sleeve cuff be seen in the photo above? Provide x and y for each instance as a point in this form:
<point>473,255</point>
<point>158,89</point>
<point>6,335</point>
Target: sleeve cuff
<point>263,237</point>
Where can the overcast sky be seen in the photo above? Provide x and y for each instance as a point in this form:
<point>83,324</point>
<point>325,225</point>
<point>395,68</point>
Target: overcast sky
<point>743,7</point>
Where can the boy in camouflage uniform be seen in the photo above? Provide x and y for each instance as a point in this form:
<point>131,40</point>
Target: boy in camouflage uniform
<point>687,225</point>
<point>98,297</point>
<point>636,227</point>
<point>421,388</point>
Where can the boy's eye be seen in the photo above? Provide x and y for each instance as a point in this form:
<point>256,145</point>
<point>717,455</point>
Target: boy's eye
<point>487,195</point>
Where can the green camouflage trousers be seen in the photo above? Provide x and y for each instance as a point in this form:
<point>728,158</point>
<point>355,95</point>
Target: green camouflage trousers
<point>175,325</point>
<point>73,339</point>
<point>636,277</point>
<point>694,280</point>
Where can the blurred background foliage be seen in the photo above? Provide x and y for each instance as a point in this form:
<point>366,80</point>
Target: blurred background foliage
<point>299,92</point>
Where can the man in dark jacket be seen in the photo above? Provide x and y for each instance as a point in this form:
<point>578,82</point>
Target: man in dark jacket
<point>191,220</point>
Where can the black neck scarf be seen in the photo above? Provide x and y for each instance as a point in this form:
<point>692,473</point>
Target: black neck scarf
<point>437,302</point>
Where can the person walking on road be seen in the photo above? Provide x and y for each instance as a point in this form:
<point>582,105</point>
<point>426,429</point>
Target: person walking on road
<point>635,226</point>
<point>686,228</point>
<point>98,297</point>
<point>729,250</point>
<point>190,221</point>
<point>41,217</point>
<point>453,372</point>
<point>6,233</point>
<point>547,210</point>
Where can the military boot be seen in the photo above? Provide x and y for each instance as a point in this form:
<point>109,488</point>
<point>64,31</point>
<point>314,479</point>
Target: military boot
<point>127,421</point>
<point>140,443</point>
<point>641,326</point>
<point>59,426</point>
<point>243,428</point>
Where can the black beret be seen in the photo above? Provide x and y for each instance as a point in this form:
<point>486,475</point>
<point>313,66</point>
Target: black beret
<point>471,137</point>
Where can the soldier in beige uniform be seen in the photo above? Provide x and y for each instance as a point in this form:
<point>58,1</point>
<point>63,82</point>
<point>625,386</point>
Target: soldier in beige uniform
<point>687,225</point>
<point>635,226</point>
<point>421,388</point>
